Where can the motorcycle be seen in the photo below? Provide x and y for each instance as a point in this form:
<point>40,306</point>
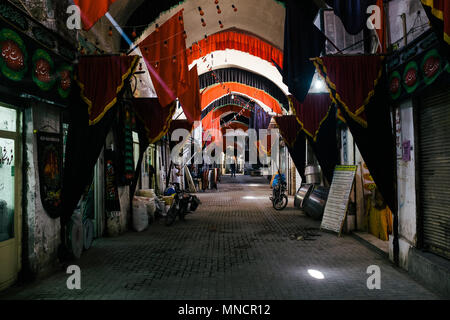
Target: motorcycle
<point>183,204</point>
<point>279,198</point>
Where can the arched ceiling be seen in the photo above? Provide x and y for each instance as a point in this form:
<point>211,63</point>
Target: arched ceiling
<point>263,18</point>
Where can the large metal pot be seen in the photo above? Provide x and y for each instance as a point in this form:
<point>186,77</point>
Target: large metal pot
<point>312,174</point>
<point>302,194</point>
<point>314,205</point>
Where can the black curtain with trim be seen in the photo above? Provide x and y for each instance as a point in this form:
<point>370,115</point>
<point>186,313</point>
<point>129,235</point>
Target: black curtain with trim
<point>326,145</point>
<point>298,153</point>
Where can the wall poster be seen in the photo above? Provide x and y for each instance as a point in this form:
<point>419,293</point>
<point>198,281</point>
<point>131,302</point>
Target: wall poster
<point>50,153</point>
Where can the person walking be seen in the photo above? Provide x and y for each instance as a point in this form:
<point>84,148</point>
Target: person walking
<point>176,177</point>
<point>233,168</point>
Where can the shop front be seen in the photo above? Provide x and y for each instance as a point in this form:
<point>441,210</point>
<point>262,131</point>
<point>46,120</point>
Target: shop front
<point>10,193</point>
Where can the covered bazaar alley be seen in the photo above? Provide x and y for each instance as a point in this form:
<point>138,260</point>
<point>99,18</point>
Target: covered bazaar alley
<point>224,150</point>
<point>236,246</point>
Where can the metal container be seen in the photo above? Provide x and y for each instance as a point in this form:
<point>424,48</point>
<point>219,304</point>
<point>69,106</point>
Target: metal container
<point>315,204</point>
<point>312,174</point>
<point>301,195</point>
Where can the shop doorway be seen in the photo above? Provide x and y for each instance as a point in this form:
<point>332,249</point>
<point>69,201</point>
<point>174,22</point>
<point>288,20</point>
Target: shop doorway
<point>10,194</point>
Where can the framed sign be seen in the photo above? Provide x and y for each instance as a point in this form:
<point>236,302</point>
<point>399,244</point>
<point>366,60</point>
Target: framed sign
<point>337,203</point>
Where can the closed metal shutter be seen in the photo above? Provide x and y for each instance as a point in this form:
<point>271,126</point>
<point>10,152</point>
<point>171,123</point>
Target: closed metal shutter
<point>434,170</point>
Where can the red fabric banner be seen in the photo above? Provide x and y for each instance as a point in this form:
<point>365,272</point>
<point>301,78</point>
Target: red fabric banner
<point>214,92</point>
<point>101,79</point>
<point>289,128</point>
<point>92,11</point>
<point>351,81</point>
<point>312,112</point>
<point>165,52</point>
<point>190,99</point>
<point>237,41</point>
<point>157,120</point>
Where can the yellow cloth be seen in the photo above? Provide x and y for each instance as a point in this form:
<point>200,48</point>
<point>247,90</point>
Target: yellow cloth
<point>380,221</point>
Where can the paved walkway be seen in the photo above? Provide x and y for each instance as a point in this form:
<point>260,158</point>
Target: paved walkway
<point>234,247</point>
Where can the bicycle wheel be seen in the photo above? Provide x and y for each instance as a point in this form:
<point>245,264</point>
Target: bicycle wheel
<point>280,203</point>
<point>171,215</point>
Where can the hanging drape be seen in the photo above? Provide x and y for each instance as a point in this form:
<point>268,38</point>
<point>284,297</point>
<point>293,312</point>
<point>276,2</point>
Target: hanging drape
<point>155,118</point>
<point>165,53</point>
<point>259,119</point>
<point>229,88</point>
<point>181,124</point>
<point>362,96</point>
<point>302,41</point>
<point>190,99</point>
<point>312,112</point>
<point>83,147</point>
<point>92,11</point>
<point>352,81</point>
<point>353,13</point>
<point>317,116</point>
<point>438,12</point>
<point>244,77</point>
<point>237,41</point>
<point>294,137</point>
<point>289,128</point>
<point>101,79</point>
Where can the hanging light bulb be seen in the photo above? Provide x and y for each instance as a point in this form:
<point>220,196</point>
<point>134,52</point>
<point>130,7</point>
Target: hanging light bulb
<point>133,34</point>
<point>157,27</point>
<point>180,18</point>
<point>165,43</point>
<point>218,10</point>
<point>184,34</point>
<point>201,11</point>
<point>174,59</point>
<point>140,66</point>
<point>216,1</point>
<point>234,8</point>
<point>203,22</point>
<point>110,32</point>
<point>156,64</point>
<point>220,24</point>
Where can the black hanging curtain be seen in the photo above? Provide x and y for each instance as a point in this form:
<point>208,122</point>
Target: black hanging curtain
<point>353,13</point>
<point>298,154</point>
<point>325,147</point>
<point>83,147</point>
<point>302,41</point>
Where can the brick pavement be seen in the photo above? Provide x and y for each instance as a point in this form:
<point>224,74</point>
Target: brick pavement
<point>234,247</point>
